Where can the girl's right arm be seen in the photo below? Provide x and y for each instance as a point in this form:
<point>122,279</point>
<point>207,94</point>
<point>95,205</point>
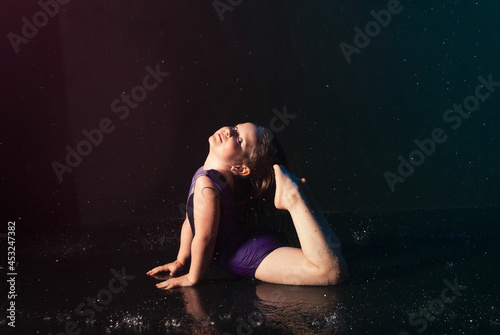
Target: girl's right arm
<point>184,255</point>
<point>206,220</point>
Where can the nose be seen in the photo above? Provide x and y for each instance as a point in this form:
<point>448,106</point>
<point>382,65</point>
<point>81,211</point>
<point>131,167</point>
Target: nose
<point>230,132</point>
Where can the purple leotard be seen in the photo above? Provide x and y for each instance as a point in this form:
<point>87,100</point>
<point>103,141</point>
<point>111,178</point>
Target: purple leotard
<point>238,254</point>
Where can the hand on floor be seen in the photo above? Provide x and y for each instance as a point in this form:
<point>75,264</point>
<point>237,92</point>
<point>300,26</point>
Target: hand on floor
<point>174,268</point>
<point>175,282</point>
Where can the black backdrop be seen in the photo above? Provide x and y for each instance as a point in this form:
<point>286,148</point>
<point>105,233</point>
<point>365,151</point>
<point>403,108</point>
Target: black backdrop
<point>345,123</point>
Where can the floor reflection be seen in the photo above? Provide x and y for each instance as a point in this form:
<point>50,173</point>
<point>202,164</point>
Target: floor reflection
<point>199,316</point>
<point>300,309</point>
<point>391,276</point>
<point>261,308</point>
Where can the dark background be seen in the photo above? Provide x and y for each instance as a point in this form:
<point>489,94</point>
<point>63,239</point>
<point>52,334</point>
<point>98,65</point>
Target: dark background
<point>351,120</point>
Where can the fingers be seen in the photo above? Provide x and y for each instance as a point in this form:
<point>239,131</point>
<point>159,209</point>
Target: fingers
<point>168,284</point>
<point>163,284</point>
<point>174,282</point>
<point>152,272</point>
<point>156,270</point>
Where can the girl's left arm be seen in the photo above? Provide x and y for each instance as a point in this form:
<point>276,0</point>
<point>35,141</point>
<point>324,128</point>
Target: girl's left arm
<point>206,222</point>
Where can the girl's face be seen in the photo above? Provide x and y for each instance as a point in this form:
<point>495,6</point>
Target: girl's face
<point>233,145</point>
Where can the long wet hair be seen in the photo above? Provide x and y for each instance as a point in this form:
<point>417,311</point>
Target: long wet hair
<point>254,194</point>
<point>267,152</point>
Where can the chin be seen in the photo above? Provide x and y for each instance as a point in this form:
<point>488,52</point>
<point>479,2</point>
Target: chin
<point>211,140</point>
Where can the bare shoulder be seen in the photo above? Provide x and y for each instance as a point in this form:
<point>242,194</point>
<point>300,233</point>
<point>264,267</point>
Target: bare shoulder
<point>206,200</point>
<point>206,188</point>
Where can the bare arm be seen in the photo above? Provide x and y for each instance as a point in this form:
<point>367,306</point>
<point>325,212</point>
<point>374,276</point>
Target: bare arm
<point>206,221</point>
<point>184,255</point>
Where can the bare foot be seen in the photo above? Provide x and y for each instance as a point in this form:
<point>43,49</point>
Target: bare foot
<point>287,188</point>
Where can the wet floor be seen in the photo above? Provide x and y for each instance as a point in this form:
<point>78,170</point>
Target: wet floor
<point>436,273</point>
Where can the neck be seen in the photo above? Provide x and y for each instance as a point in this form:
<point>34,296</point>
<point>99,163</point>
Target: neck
<point>213,164</point>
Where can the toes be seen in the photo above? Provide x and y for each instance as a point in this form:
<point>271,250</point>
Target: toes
<point>280,171</point>
<point>277,169</point>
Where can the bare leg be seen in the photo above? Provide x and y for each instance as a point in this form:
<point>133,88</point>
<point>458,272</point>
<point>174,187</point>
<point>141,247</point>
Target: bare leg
<point>331,237</point>
<point>317,262</point>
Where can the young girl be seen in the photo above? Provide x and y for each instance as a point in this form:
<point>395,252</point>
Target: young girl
<point>247,155</point>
